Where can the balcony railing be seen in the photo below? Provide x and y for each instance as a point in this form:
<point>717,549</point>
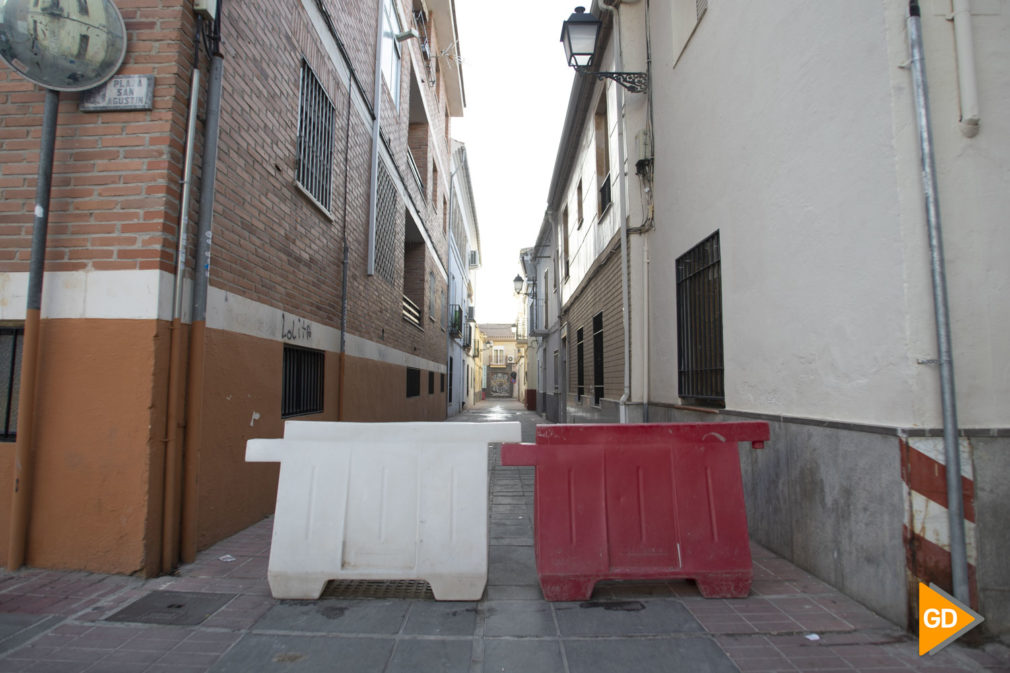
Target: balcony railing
<point>415,172</point>
<point>411,312</point>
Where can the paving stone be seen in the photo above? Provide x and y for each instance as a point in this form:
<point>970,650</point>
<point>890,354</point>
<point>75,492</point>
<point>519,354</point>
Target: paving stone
<point>443,656</point>
<point>693,655</point>
<point>522,656</point>
<point>519,618</point>
<point>436,618</point>
<point>305,654</point>
<point>17,629</point>
<point>512,565</point>
<point>623,618</point>
<point>335,616</point>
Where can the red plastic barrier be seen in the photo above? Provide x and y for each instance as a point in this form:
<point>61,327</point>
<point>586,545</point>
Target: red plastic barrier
<point>651,501</point>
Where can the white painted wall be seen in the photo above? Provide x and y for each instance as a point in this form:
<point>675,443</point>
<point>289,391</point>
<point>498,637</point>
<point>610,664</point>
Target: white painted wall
<point>789,127</point>
<point>587,242</point>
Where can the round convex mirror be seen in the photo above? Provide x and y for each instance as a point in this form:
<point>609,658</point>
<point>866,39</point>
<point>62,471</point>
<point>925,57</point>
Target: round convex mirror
<point>66,45</point>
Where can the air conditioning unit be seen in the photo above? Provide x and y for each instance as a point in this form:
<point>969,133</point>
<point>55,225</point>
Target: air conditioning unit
<point>208,8</point>
<point>511,359</point>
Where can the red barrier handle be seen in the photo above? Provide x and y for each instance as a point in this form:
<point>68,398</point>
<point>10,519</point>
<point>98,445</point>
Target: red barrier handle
<point>518,454</point>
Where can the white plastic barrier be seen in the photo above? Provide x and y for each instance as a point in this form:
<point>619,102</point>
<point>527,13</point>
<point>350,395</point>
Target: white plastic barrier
<point>381,501</point>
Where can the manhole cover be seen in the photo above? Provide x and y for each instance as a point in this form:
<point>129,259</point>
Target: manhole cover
<point>378,589</point>
<point>175,608</point>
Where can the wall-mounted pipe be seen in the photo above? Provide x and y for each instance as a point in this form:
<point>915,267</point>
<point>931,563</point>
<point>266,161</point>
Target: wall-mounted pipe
<point>645,329</point>
<point>623,191</point>
<point>964,43</point>
<point>341,377</point>
<point>373,188</point>
<point>173,453</point>
<point>21,500</point>
<point>955,503</point>
<point>201,284</point>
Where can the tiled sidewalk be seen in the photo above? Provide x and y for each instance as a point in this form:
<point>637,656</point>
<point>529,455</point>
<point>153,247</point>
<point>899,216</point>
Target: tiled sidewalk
<point>64,622</point>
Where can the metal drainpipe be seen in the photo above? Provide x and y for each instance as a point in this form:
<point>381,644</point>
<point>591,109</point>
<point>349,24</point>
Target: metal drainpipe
<point>964,42</point>
<point>343,269</point>
<point>23,452</point>
<point>373,190</point>
<point>173,455</point>
<point>197,344</point>
<point>562,347</point>
<point>645,329</point>
<point>625,301</point>
<point>958,553</point>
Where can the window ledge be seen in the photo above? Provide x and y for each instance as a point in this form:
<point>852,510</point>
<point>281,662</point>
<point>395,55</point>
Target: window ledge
<point>604,212</point>
<point>320,207</point>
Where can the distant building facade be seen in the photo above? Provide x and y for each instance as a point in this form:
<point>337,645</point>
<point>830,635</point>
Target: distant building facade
<point>464,257</point>
<point>500,356</point>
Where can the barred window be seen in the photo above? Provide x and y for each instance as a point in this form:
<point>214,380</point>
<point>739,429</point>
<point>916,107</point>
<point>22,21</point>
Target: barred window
<point>303,381</point>
<point>580,365</point>
<point>597,358</point>
<point>699,324</point>
<point>388,208</point>
<point>11,343</point>
<point>316,115</point>
<point>413,382</point>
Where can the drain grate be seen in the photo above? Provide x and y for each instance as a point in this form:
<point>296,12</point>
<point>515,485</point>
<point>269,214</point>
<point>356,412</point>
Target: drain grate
<point>418,589</point>
<point>172,608</point>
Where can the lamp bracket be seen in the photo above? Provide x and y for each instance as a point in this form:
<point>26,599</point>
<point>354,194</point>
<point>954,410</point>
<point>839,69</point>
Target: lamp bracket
<point>635,82</point>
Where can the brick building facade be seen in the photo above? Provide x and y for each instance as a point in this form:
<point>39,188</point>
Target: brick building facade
<point>139,445</point>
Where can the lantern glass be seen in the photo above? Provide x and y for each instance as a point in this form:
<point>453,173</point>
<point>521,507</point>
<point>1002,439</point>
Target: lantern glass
<point>517,283</point>
<point>578,35</point>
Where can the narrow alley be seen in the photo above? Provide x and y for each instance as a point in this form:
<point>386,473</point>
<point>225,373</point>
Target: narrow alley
<point>217,615</point>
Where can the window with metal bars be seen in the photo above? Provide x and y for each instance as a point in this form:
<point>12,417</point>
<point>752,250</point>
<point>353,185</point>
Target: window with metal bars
<point>303,381</point>
<point>580,365</point>
<point>389,210</point>
<point>413,382</point>
<point>597,358</point>
<point>316,114</point>
<point>11,339</point>
<point>699,324</point>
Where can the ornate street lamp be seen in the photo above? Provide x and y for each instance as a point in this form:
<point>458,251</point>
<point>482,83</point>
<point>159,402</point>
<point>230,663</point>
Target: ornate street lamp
<point>517,283</point>
<point>579,35</point>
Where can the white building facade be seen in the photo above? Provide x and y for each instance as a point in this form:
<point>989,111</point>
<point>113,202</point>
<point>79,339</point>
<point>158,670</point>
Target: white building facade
<point>789,214</point>
<point>748,240</point>
<point>464,255</point>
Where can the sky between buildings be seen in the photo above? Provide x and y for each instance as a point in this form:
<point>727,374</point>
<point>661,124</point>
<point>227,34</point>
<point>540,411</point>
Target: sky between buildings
<point>517,85</point>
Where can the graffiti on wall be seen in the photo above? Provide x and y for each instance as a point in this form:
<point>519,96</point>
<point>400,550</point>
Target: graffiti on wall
<point>500,384</point>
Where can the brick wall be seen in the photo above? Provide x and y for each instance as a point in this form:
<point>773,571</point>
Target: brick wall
<point>271,242</point>
<point>602,292</point>
<point>115,188</point>
<point>116,178</point>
